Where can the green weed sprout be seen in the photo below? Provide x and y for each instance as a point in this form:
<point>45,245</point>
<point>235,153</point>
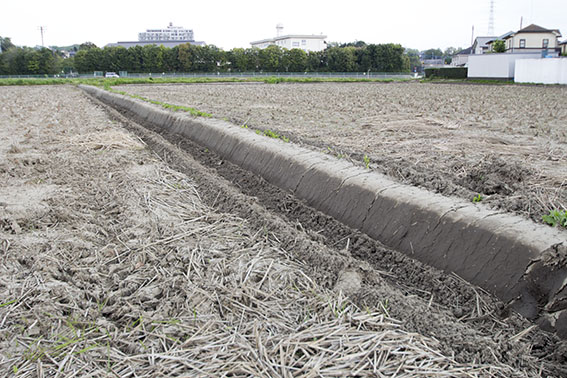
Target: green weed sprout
<point>556,218</point>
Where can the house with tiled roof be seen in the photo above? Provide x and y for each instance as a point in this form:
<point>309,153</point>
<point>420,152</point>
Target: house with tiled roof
<point>533,38</point>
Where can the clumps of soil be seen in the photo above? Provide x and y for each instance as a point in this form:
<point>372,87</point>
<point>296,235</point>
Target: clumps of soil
<point>495,176</point>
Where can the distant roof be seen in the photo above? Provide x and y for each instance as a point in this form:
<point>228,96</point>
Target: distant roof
<point>482,41</point>
<point>168,44</point>
<point>302,36</point>
<point>502,37</point>
<point>465,51</point>
<point>533,28</point>
<point>564,42</point>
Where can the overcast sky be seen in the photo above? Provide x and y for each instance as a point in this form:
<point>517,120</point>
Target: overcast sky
<point>227,24</point>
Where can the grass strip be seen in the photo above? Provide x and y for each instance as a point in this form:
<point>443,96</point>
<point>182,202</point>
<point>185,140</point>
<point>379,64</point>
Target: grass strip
<point>188,80</point>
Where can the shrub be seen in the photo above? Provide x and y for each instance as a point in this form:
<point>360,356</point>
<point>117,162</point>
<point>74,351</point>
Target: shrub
<point>446,73</point>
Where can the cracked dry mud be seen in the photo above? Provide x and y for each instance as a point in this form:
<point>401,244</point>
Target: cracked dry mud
<point>506,143</point>
<point>125,252</point>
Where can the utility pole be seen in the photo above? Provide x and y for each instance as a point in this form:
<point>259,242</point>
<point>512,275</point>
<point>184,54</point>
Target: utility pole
<point>42,30</point>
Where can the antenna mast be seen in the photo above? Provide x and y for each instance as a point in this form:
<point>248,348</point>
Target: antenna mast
<point>491,19</point>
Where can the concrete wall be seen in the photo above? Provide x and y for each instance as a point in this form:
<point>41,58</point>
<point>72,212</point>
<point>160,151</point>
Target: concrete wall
<point>542,71</point>
<point>495,66</point>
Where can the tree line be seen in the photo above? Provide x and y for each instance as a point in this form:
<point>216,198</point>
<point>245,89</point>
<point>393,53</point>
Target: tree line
<point>193,58</point>
<point>357,57</point>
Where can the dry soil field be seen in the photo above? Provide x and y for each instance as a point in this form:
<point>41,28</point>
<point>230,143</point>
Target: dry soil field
<point>121,255</point>
<point>506,143</point>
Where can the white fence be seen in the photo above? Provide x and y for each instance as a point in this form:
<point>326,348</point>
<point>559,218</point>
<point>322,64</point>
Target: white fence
<point>495,66</point>
<point>542,71</point>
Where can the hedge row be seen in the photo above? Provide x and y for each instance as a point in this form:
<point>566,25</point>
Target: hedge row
<point>447,73</point>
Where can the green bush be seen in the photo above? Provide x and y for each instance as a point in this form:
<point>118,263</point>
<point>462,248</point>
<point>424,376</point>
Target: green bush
<point>446,73</point>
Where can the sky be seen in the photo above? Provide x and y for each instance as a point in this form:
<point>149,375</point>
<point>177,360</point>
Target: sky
<point>414,24</point>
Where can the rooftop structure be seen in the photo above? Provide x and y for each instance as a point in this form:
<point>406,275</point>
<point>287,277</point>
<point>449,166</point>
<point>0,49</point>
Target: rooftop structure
<point>172,33</point>
<point>304,42</point>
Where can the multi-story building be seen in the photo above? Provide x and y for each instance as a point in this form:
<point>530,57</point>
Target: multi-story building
<point>304,42</point>
<point>534,39</point>
<point>172,33</point>
<point>170,37</point>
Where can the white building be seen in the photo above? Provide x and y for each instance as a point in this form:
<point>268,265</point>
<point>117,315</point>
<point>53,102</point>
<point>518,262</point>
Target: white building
<point>304,42</point>
<point>172,33</point>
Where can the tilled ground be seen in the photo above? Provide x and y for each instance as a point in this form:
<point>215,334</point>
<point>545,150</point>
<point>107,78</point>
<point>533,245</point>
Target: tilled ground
<point>122,255</point>
<point>506,143</point>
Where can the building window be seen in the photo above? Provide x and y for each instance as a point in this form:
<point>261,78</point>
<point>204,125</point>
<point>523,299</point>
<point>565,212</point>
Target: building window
<point>303,42</point>
<point>295,44</point>
<point>545,43</point>
<point>522,43</point>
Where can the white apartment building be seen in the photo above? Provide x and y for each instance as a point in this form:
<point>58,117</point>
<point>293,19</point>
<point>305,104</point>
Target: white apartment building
<point>172,33</point>
<point>304,42</point>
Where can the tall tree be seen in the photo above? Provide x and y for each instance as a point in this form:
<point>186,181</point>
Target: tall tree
<point>341,59</point>
<point>6,44</point>
<point>294,60</point>
<point>270,58</point>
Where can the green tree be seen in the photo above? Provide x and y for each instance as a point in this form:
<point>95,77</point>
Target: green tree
<point>89,60</point>
<point>67,65</point>
<point>316,61</point>
<point>207,58</point>
<point>135,59</point>
<point>390,57</point>
<point>498,46</point>
<point>171,59</point>
<point>432,54</point>
<point>414,60</point>
<point>270,58</point>
<point>152,58</point>
<point>5,44</point>
<point>187,55</point>
<point>237,59</point>
<point>252,59</point>
<point>115,58</point>
<point>341,59</point>
<point>87,45</point>
<point>294,60</point>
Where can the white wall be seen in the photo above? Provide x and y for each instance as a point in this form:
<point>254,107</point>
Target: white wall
<point>495,66</point>
<point>543,71</point>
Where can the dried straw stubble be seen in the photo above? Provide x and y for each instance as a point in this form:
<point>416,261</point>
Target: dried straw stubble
<point>129,273</point>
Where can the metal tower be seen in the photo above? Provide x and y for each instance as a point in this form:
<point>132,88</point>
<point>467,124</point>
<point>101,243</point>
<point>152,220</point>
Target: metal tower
<point>491,19</point>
